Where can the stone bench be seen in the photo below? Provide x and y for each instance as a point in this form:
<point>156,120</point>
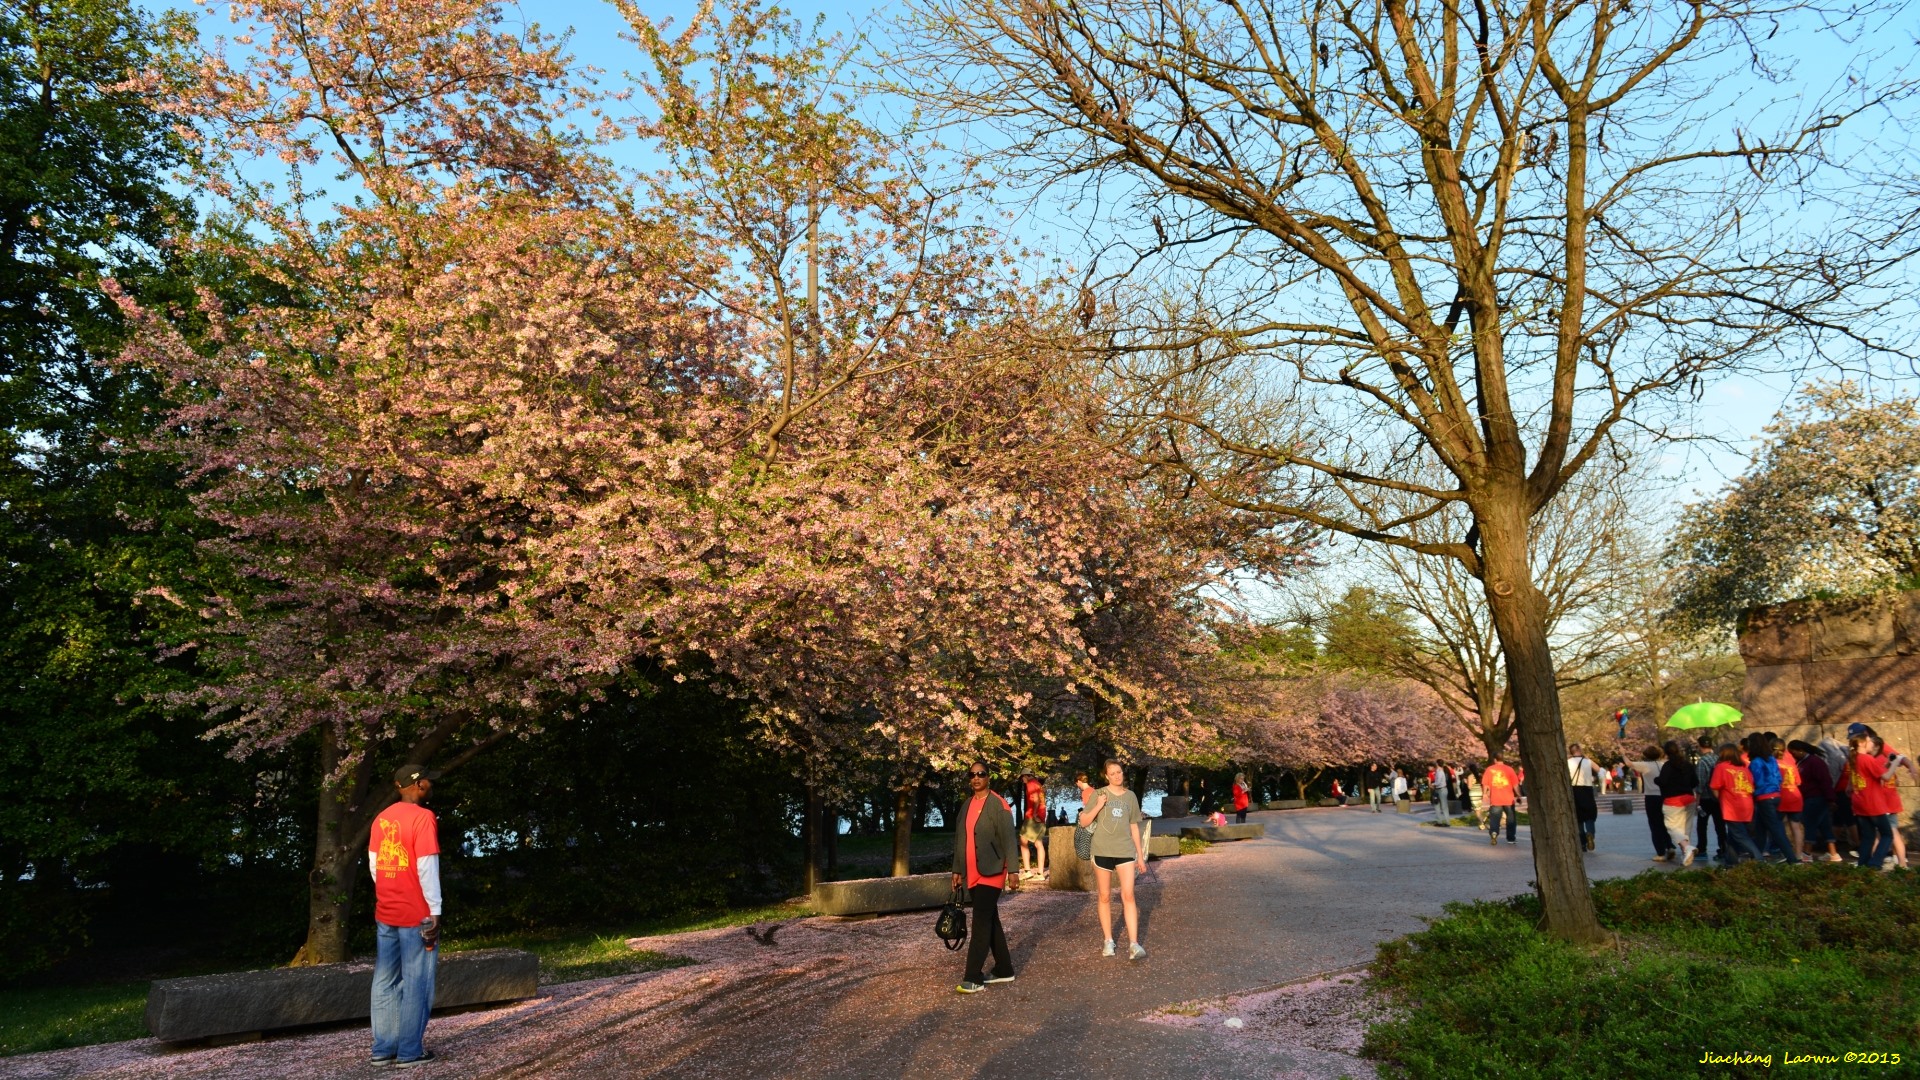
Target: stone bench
<point>1163,847</point>
<point>244,1002</point>
<point>1622,807</point>
<point>1287,804</point>
<point>879,896</point>
<point>1216,834</point>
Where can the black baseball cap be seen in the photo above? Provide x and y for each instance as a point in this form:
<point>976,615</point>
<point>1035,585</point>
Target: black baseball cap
<point>406,775</point>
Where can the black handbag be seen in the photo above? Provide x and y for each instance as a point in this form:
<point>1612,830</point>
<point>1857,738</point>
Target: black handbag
<point>952,924</point>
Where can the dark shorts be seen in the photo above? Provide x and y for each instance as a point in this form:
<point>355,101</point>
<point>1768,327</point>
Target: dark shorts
<point>1792,815</point>
<point>1111,862</point>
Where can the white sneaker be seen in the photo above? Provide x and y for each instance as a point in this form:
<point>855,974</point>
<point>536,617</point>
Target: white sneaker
<point>1686,856</point>
<point>1135,952</point>
<point>1107,949</point>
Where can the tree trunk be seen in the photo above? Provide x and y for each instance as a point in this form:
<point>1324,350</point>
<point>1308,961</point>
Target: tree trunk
<point>339,846</point>
<point>810,841</point>
<point>1519,617</point>
<point>830,825</point>
<point>903,832</point>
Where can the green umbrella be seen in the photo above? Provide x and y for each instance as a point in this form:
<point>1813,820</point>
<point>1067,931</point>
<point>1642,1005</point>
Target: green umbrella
<point>1704,714</point>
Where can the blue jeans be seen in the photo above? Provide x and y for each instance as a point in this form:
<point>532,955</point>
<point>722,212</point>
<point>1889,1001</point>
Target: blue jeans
<point>1876,838</point>
<point>1768,822</point>
<point>1494,813</point>
<point>1739,843</point>
<point>403,970</point>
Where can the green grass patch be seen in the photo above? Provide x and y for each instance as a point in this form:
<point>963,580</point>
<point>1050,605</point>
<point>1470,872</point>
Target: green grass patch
<point>56,1017</point>
<point>1193,845</point>
<point>1755,960</point>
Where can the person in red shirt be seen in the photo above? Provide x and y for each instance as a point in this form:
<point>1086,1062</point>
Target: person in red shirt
<point>1733,784</point>
<point>1873,802</point>
<point>1792,802</point>
<point>1033,828</point>
<point>980,859</point>
<point>1501,784</point>
<point>1242,797</point>
<point>403,853</point>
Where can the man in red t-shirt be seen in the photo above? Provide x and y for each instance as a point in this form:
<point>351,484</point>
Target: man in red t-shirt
<point>1500,783</point>
<point>403,853</point>
<point>1033,828</point>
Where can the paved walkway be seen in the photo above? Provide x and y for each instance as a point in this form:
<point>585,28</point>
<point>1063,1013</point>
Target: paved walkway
<point>875,999</point>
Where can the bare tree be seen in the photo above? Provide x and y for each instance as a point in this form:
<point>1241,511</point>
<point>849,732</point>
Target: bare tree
<point>1478,238</point>
<point>1590,562</point>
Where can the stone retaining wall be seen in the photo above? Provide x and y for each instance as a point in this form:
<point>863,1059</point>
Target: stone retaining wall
<point>1812,670</point>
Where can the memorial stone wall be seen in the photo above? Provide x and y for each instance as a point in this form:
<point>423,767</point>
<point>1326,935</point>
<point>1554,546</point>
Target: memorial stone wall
<point>1812,669</point>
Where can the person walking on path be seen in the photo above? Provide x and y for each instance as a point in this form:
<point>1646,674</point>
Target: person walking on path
<point>1816,798</point>
<point>1585,777</point>
<point>1766,798</point>
<point>1374,781</point>
<point>1033,829</point>
<point>1442,781</point>
<point>1500,783</point>
<point>981,853</point>
<point>1118,851</point>
<point>1676,782</point>
<point>1872,809</point>
<point>1241,797</point>
<point>1647,768</point>
<point>403,854</point>
<point>1708,812</point>
<point>1734,785</point>
<point>1399,789</point>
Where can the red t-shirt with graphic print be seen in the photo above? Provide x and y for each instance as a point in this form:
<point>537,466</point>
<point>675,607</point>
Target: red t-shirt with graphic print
<point>1735,785</point>
<point>400,836</point>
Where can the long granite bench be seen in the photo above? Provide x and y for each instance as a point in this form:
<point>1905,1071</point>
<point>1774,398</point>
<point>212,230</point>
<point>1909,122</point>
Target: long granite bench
<point>878,896</point>
<point>243,1002</point>
<point>1163,847</point>
<point>1215,834</point>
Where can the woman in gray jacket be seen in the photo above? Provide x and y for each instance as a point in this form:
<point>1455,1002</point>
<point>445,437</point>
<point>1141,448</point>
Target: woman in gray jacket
<point>982,846</point>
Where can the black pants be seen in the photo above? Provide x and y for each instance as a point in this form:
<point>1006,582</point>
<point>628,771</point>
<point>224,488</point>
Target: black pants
<point>1710,814</point>
<point>1657,824</point>
<point>1240,816</point>
<point>986,933</point>
<point>1586,809</point>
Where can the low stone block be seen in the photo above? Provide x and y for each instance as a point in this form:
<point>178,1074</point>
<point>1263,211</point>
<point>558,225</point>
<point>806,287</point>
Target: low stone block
<point>1065,870</point>
<point>1220,834</point>
<point>1288,804</point>
<point>1163,847</point>
<point>1332,802</point>
<point>208,1006</point>
<point>1622,807</point>
<point>878,896</point>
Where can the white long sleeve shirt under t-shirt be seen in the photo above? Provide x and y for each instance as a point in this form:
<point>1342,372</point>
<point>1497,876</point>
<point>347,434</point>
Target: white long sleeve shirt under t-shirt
<point>427,868</point>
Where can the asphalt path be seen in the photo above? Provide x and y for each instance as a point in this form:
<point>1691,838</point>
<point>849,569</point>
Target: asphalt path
<point>873,999</point>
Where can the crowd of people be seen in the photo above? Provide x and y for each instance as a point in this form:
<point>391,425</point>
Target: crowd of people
<point>1758,798</point>
<point>1764,798</point>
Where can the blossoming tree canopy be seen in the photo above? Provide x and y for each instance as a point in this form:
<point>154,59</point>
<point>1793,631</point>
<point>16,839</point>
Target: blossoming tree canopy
<point>484,428</point>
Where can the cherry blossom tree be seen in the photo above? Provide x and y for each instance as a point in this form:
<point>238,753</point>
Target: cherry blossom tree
<point>1830,504</point>
<point>490,421</point>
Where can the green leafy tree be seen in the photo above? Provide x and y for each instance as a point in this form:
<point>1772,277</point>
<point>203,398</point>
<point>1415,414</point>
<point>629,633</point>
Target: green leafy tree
<point>1829,506</point>
<point>91,777</point>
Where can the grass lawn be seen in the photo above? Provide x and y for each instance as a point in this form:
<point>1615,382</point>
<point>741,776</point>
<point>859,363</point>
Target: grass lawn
<point>51,1017</point>
<point>1758,960</point>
